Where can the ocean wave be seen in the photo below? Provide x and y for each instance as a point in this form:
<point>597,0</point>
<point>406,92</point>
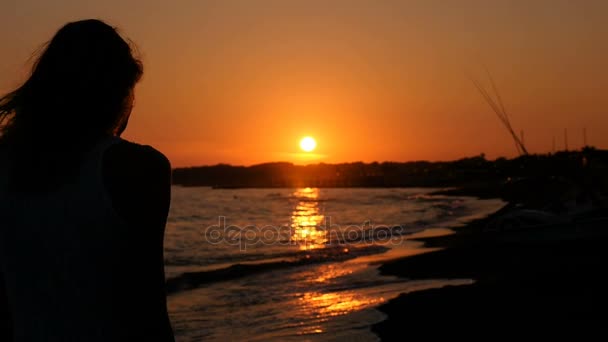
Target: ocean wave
<point>190,280</point>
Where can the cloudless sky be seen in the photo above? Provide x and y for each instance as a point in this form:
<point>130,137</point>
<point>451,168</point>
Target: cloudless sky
<point>242,81</point>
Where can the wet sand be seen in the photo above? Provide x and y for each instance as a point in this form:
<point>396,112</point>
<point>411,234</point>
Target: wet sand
<point>545,280</point>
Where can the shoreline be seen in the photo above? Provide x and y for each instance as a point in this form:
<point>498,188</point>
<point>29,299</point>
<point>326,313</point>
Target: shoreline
<point>535,278</point>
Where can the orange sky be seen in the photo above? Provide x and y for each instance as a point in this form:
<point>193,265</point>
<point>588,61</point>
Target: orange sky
<point>242,81</point>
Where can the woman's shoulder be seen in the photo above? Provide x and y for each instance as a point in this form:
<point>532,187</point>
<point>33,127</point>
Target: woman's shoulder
<point>138,180</point>
<point>132,167</point>
<point>133,156</point>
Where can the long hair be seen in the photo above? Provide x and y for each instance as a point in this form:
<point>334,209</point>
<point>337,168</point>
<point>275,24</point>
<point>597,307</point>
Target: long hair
<point>79,90</point>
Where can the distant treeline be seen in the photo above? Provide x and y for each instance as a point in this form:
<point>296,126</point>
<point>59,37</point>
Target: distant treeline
<point>461,172</point>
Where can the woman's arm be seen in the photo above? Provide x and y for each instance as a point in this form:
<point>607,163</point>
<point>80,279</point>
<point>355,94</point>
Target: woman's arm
<point>138,179</point>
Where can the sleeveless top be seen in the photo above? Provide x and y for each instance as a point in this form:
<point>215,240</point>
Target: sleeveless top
<point>60,255</point>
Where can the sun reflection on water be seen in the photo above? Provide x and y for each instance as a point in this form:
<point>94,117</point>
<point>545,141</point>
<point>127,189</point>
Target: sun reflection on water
<point>306,220</point>
<point>324,296</point>
<point>338,303</point>
<point>321,307</point>
<point>309,233</point>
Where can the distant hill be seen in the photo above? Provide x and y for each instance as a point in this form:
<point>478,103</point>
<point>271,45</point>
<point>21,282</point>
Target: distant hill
<point>461,172</point>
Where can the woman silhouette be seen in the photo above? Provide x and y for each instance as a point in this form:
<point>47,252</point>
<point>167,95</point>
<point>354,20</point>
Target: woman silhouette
<point>82,212</point>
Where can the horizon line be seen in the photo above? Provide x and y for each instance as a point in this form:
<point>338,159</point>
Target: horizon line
<point>389,161</point>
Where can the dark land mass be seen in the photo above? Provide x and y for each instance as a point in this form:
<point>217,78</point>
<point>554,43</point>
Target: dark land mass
<point>547,282</point>
<point>480,177</point>
<point>539,266</point>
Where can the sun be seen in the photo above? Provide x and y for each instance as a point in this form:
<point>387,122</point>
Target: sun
<point>308,144</point>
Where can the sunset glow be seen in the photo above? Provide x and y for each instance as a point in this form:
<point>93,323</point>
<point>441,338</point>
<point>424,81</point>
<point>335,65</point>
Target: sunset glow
<point>240,82</point>
<point>308,144</point>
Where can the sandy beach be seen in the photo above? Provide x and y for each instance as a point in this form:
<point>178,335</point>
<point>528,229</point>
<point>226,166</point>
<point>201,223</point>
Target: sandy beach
<point>544,279</point>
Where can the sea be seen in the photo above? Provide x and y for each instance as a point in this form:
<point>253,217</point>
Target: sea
<point>298,264</point>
